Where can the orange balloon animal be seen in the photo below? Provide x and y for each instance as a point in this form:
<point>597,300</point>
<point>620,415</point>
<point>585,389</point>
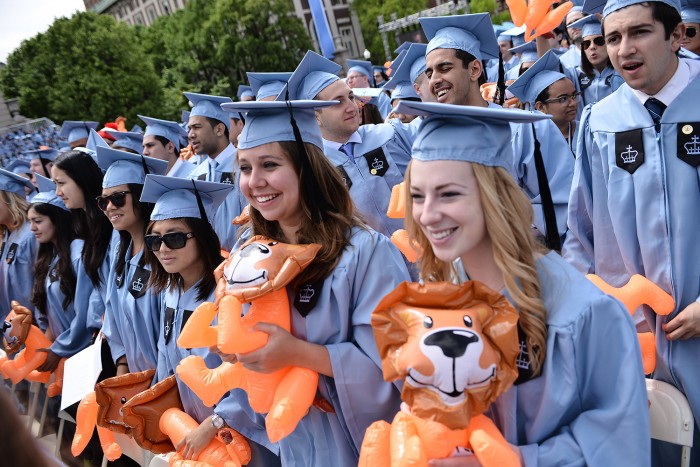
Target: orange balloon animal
<point>455,346</point>
<point>258,273</point>
<point>232,452</point>
<point>637,292</point>
<point>397,210</point>
<point>537,15</point>
<point>86,421</point>
<point>18,330</point>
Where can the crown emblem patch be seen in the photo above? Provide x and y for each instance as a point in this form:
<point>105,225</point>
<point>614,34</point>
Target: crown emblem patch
<point>629,150</point>
<point>377,162</point>
<point>688,143</point>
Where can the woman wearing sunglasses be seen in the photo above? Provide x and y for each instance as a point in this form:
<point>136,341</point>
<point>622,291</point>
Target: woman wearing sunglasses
<point>18,250</point>
<point>574,340</point>
<point>132,311</point>
<point>78,181</point>
<point>296,196</point>
<point>62,287</point>
<point>691,40</point>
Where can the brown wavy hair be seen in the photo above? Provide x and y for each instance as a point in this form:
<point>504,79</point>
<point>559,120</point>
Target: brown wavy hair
<point>333,232</point>
<point>508,217</point>
<point>18,207</point>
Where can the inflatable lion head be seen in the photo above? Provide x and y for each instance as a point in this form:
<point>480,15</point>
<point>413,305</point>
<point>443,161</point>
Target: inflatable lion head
<point>16,327</point>
<point>455,346</point>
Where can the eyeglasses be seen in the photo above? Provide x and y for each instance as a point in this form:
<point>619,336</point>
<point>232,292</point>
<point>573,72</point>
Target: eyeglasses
<point>599,41</point>
<point>690,31</point>
<point>118,199</point>
<point>173,240</point>
<point>563,99</point>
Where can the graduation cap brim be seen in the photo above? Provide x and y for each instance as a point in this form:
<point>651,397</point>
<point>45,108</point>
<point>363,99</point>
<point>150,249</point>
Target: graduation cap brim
<point>477,25</point>
<point>107,156</point>
<point>257,80</point>
<point>174,126</point>
<point>526,47</point>
<point>255,106</point>
<point>589,25</point>
<point>434,109</point>
<point>157,185</point>
<point>48,154</point>
<point>522,88</point>
<point>16,178</point>
<point>44,184</point>
<point>70,125</point>
<point>311,62</point>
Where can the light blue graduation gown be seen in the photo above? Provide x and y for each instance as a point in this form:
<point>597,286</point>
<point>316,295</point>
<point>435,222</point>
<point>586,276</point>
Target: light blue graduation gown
<point>385,150</point>
<point>98,295</point>
<point>175,310</point>
<point>492,68</point>
<point>589,405</point>
<point>224,170</point>
<point>19,249</point>
<point>383,103</point>
<point>601,85</point>
<point>571,58</point>
<point>643,222</point>
<point>181,169</point>
<point>69,325</point>
<point>131,324</point>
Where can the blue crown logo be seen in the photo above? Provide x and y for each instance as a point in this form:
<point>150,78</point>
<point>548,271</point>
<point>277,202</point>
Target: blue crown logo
<point>693,147</point>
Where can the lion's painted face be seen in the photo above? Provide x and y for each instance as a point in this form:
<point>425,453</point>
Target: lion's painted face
<point>246,267</point>
<point>455,347</point>
<point>16,327</point>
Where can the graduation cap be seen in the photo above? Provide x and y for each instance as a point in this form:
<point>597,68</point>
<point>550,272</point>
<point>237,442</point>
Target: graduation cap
<point>592,6</point>
<point>244,91</point>
<point>517,35</point>
<point>589,26</point>
<point>264,85</point>
<point>613,5</point>
<point>404,90</point>
<point>179,197</point>
<point>124,167</point>
<point>470,33</point>
<point>127,140</point>
<point>274,121</point>
<point>400,84</point>
<point>185,116</point>
<point>47,193</point>
<point>14,183</point>
<point>403,47</point>
<point>524,47</point>
<point>18,166</point>
<point>73,130</point>
<point>363,67</point>
<point>465,133</point>
<point>209,106</point>
<point>412,65</point>
<point>690,11</point>
<point>48,154</point>
<point>529,57</point>
<point>313,74</point>
<point>172,131</point>
<point>537,78</point>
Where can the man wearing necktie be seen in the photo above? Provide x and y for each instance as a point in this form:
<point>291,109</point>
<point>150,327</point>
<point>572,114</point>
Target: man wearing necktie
<point>636,192</point>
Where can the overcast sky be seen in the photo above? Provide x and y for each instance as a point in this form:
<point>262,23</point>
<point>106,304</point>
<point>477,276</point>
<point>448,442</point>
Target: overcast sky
<point>22,19</point>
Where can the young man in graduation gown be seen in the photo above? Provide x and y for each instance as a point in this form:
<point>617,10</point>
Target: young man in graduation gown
<point>636,190</point>
<point>162,141</point>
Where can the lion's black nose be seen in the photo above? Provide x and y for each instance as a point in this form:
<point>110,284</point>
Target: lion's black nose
<point>453,344</point>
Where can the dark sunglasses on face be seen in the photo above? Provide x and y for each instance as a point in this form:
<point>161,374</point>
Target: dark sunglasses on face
<point>690,31</point>
<point>173,240</point>
<point>118,199</point>
<point>599,41</point>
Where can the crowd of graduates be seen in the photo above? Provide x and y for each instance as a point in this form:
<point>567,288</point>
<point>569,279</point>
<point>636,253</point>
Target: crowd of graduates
<point>526,165</point>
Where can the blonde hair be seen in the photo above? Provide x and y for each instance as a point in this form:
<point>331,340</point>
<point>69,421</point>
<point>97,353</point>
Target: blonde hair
<point>18,207</point>
<point>508,217</point>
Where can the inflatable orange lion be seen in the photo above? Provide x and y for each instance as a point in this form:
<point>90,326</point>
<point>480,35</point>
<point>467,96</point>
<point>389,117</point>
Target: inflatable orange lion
<point>455,347</point>
<point>257,273</point>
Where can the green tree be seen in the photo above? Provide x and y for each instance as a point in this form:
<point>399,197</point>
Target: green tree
<point>85,67</point>
<point>368,11</point>
<point>499,13</point>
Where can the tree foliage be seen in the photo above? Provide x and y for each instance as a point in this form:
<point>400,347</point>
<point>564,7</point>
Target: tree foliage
<point>85,67</point>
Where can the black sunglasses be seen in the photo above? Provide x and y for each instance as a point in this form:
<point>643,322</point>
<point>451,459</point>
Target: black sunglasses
<point>599,41</point>
<point>118,199</point>
<point>173,240</point>
<point>690,31</point>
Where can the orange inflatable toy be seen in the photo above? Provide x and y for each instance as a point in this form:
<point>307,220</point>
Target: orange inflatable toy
<point>488,91</point>
<point>397,210</point>
<point>86,420</point>
<point>537,15</point>
<point>257,273</point>
<point>18,330</point>
<point>228,449</point>
<point>637,292</point>
<point>455,347</point>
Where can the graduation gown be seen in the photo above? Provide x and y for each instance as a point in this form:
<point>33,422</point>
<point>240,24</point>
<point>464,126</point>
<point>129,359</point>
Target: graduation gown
<point>589,404</point>
<point>634,210</point>
<point>131,322</point>
<point>17,257</point>
<point>98,295</point>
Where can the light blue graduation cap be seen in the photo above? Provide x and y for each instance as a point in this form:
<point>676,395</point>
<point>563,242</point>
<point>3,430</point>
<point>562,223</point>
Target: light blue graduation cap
<point>589,26</point>
<point>14,183</point>
<point>244,91</point>
<point>270,122</point>
<point>362,66</point>
<point>48,155</point>
<point>465,133</point>
<point>313,74</point>
<point>73,130</point>
<point>537,78</point>
<point>172,131</point>
<point>412,65</point>
<point>208,106</point>
<point>179,197</point>
<point>124,167</point>
<point>185,116</point>
<point>613,5</point>
<point>127,140</point>
<point>402,47</point>
<point>517,35</point>
<point>404,90</point>
<point>593,6</point>
<point>265,85</point>
<point>524,47</point>
<point>470,33</point>
<point>18,166</point>
<point>399,83</point>
<point>690,12</point>
<point>47,193</point>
